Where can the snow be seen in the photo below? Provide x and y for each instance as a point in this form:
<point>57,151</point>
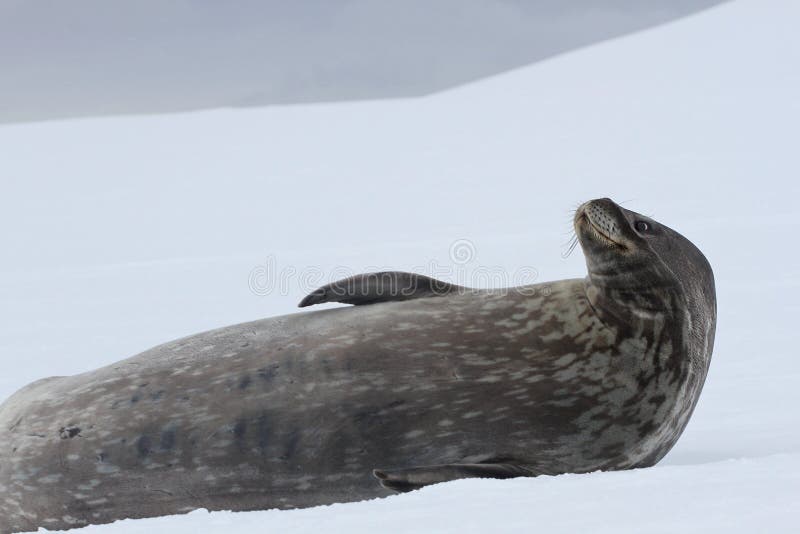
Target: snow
<point>121,233</point>
<point>706,498</point>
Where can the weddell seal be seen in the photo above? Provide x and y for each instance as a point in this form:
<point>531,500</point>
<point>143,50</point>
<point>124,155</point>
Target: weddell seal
<point>420,382</point>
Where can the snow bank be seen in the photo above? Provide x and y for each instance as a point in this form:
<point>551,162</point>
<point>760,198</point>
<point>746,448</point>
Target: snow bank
<point>92,58</point>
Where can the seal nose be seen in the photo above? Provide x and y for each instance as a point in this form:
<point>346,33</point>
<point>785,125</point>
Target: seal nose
<point>604,216</point>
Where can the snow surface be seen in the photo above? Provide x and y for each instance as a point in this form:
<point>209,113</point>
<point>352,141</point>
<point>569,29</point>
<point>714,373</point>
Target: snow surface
<point>703,498</point>
<point>122,233</point>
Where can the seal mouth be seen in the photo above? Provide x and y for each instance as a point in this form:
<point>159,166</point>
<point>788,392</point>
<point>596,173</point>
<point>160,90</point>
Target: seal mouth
<point>582,217</point>
<point>600,233</point>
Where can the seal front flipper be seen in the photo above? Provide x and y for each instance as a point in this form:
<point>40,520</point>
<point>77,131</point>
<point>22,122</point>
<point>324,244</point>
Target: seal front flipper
<point>413,478</point>
<point>379,287</point>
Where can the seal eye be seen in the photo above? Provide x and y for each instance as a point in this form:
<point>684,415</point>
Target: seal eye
<point>641,226</point>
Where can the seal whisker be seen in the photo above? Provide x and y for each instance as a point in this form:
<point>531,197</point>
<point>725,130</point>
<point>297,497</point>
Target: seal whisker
<point>571,244</point>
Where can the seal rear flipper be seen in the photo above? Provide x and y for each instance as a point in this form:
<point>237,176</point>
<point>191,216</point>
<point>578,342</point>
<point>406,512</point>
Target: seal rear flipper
<point>413,478</point>
<point>385,286</point>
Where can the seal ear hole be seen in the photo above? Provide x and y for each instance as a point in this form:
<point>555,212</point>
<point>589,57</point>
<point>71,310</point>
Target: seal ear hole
<point>642,227</point>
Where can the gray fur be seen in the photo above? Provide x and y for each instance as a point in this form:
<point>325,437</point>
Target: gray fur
<point>299,410</point>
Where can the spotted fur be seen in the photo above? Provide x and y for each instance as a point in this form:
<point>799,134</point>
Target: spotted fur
<point>294,411</point>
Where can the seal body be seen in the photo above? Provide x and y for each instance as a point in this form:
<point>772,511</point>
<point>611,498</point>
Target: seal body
<point>575,376</point>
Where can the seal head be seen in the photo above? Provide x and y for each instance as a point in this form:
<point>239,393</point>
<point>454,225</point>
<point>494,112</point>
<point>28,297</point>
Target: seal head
<point>640,266</point>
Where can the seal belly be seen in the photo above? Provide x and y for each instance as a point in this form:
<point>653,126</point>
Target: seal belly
<point>296,410</point>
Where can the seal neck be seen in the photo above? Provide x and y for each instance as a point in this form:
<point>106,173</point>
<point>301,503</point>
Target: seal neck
<point>632,305</point>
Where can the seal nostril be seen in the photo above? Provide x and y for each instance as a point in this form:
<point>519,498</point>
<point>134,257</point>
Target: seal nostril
<point>69,432</point>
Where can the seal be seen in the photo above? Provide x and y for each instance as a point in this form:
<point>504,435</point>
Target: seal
<point>418,382</point>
